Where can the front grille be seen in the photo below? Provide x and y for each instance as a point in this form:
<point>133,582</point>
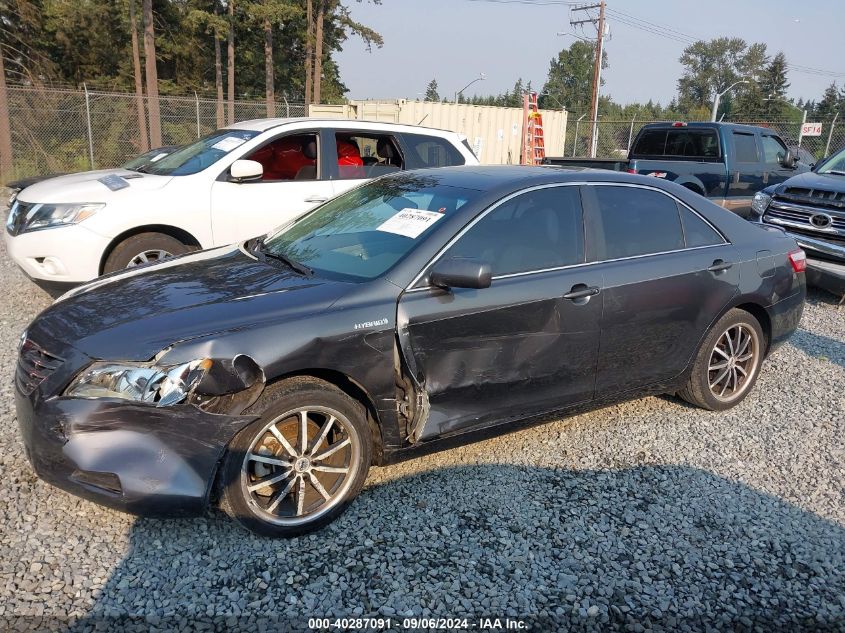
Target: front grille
<point>820,198</point>
<point>17,217</point>
<point>819,220</point>
<point>34,366</point>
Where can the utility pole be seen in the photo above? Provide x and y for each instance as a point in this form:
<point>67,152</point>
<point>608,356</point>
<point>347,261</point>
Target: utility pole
<point>599,23</point>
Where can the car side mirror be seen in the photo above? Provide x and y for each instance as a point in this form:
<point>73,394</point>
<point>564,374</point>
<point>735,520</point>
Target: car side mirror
<point>245,170</point>
<point>788,159</point>
<point>461,272</point>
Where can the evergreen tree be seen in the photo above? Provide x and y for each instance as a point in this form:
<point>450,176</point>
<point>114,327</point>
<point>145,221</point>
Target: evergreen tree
<point>431,93</point>
<point>570,77</point>
<point>775,85</point>
<point>829,104</point>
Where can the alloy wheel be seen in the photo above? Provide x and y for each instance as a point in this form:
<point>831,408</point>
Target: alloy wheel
<point>148,257</point>
<point>733,362</point>
<point>300,465</point>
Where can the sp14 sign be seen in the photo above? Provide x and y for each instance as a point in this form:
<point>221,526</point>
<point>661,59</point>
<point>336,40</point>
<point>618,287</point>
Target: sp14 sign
<point>811,129</point>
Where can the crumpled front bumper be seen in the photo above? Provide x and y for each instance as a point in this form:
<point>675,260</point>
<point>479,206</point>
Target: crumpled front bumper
<point>132,457</point>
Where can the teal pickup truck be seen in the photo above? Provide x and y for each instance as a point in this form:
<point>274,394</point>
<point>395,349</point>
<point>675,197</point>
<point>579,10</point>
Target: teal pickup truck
<point>725,162</point>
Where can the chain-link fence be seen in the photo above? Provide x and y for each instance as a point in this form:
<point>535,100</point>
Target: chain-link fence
<point>56,131</point>
<point>614,137</point>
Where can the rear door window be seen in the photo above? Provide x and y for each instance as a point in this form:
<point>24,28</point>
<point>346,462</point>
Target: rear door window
<point>367,155</point>
<point>430,151</point>
<point>632,221</point>
<point>745,148</point>
<point>692,143</point>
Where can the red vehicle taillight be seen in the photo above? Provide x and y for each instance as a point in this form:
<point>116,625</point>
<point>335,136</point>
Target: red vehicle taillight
<point>631,171</point>
<point>798,259</point>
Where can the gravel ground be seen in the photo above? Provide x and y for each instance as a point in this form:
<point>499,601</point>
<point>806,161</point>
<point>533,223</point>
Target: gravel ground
<point>650,515</point>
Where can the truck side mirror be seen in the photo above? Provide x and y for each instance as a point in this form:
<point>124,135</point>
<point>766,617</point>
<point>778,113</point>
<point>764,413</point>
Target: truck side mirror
<point>788,159</point>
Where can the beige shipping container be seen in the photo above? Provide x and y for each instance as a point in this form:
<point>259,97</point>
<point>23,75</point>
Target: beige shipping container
<point>494,133</point>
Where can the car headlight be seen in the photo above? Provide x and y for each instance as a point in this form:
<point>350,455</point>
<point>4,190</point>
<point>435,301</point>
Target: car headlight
<point>760,203</point>
<point>45,216</point>
<point>159,385</point>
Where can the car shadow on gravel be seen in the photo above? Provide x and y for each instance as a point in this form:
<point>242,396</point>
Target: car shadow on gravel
<point>667,547</point>
<point>818,346</point>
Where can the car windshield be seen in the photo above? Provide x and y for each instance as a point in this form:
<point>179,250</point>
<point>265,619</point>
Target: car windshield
<point>834,165</point>
<point>204,153</point>
<point>364,232</point>
<point>148,158</point>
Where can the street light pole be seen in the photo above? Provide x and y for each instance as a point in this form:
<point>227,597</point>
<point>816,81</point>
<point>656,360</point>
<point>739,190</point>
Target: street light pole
<point>803,114</point>
<point>481,77</point>
<point>717,97</point>
<point>575,140</point>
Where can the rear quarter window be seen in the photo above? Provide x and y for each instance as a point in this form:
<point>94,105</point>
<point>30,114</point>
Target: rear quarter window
<point>430,151</point>
<point>696,231</point>
<point>650,143</point>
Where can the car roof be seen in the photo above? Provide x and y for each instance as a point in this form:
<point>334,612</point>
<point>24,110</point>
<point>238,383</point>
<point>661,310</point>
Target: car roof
<point>262,125</point>
<point>740,127</point>
<point>503,178</point>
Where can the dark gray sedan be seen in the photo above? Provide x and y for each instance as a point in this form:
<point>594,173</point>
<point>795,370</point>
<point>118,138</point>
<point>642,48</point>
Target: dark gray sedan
<point>420,310</point>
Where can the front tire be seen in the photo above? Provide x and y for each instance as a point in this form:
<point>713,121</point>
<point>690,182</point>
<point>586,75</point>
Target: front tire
<point>301,464</point>
<point>728,363</point>
<point>142,249</point>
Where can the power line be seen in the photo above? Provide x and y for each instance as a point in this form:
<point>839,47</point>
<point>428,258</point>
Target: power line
<point>684,38</point>
<point>659,30</point>
<point>536,3</point>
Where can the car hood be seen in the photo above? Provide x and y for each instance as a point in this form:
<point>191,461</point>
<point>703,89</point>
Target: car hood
<point>812,180</point>
<point>133,315</point>
<point>88,186</point>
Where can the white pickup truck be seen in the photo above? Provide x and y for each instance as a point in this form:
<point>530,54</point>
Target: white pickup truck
<point>239,182</point>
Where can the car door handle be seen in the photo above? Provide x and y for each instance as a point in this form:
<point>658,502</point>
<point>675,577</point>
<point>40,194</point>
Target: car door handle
<point>581,291</point>
<point>316,199</point>
<point>719,265</point>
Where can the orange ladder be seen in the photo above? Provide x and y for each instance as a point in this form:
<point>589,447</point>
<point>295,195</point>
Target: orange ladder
<point>533,145</point>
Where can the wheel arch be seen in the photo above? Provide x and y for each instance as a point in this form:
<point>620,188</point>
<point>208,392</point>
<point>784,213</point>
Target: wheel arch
<point>759,312</point>
<point>167,229</point>
<point>693,184</point>
<point>351,388</point>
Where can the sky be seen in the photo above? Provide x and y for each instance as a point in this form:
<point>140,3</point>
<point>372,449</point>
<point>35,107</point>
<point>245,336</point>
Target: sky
<point>455,40</point>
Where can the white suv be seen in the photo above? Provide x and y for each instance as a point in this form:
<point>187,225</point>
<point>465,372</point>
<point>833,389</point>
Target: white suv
<point>237,183</point>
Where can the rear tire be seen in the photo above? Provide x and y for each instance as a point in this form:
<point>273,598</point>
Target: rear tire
<point>727,364</point>
<point>144,248</point>
<point>274,483</point>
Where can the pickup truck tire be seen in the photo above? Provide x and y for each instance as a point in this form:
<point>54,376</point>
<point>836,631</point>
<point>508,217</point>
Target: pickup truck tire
<point>144,248</point>
<point>727,364</point>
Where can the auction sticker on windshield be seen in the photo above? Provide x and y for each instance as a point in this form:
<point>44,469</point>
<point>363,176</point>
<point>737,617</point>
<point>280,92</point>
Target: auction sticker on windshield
<point>228,143</point>
<point>410,222</point>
